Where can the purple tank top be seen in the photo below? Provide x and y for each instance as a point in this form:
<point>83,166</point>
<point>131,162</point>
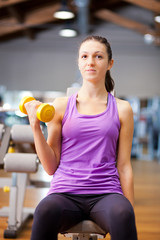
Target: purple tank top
<point>88,153</point>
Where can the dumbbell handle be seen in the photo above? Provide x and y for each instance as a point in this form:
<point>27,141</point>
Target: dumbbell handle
<point>45,112</point>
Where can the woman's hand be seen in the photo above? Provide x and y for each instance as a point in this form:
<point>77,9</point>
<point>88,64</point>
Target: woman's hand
<point>31,108</point>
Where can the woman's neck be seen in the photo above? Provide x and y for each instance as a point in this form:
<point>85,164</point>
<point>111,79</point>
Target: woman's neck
<point>91,91</point>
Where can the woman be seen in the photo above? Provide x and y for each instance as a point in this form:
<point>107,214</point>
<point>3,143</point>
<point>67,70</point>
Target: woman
<point>88,153</point>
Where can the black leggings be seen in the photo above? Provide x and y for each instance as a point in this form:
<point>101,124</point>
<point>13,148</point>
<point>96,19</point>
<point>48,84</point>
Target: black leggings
<point>60,211</point>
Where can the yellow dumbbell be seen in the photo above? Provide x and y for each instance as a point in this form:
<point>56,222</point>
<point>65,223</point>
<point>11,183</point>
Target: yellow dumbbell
<point>45,112</point>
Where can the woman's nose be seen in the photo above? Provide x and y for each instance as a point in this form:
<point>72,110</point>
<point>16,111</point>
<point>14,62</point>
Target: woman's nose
<point>90,61</point>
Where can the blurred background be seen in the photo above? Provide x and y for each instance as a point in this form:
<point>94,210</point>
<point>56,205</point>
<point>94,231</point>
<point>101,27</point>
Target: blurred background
<point>38,56</point>
<point>39,42</point>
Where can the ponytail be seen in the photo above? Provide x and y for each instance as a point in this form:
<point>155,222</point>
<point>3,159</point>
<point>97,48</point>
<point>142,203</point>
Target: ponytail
<point>109,82</point>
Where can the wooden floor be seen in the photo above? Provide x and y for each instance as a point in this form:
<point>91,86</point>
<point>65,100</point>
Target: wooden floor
<point>147,202</point>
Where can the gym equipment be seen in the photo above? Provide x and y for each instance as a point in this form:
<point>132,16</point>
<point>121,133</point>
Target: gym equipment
<point>85,230</point>
<point>6,189</point>
<point>45,112</point>
<point>4,139</point>
<point>4,144</point>
<point>22,134</point>
<point>20,164</point>
<point>13,162</point>
<point>1,131</point>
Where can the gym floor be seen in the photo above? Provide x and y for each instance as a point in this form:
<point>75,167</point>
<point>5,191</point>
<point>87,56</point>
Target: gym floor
<point>147,200</point>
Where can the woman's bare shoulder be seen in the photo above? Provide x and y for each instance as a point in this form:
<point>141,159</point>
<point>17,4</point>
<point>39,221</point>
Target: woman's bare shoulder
<point>60,103</point>
<point>124,109</point>
<point>123,103</point>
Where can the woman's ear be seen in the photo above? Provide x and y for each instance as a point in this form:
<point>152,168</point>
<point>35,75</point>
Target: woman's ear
<point>110,64</point>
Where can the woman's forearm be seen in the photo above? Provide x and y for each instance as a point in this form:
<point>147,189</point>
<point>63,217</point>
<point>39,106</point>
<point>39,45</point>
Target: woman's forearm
<point>45,153</point>
<point>127,184</point>
<point>48,150</point>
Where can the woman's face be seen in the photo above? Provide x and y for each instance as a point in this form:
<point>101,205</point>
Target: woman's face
<point>93,61</point>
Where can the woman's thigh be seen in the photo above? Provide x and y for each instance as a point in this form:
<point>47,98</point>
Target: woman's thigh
<point>54,214</point>
<point>115,215</point>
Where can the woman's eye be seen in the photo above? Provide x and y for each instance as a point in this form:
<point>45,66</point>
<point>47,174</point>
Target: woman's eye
<point>99,56</point>
<point>84,56</point>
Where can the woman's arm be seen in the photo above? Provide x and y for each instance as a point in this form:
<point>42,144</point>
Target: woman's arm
<point>47,151</point>
<point>124,149</point>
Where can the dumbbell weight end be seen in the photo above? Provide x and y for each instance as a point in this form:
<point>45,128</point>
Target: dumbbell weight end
<point>23,101</point>
<point>45,112</point>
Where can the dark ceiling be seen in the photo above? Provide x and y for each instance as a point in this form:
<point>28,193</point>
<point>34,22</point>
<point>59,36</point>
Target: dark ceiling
<point>28,17</point>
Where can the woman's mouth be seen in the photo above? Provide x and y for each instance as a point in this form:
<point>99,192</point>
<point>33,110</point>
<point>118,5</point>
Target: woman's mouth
<point>90,70</point>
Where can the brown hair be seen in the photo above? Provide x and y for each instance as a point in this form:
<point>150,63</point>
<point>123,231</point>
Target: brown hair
<point>109,82</point>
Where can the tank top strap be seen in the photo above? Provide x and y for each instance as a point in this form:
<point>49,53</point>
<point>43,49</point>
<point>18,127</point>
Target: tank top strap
<point>113,108</point>
<point>70,107</point>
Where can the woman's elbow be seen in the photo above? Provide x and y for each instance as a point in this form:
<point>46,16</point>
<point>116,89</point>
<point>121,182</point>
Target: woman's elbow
<point>50,170</point>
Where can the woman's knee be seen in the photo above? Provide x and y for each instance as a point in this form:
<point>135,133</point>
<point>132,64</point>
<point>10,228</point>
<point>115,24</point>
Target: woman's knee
<point>115,214</point>
<point>48,208</point>
<point>122,215</point>
<point>122,222</point>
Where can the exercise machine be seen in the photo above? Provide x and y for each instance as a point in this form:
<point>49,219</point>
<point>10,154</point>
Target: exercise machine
<point>20,165</point>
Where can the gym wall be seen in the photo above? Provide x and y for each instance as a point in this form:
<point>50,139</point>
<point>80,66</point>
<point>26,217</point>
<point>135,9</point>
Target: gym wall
<point>49,63</point>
